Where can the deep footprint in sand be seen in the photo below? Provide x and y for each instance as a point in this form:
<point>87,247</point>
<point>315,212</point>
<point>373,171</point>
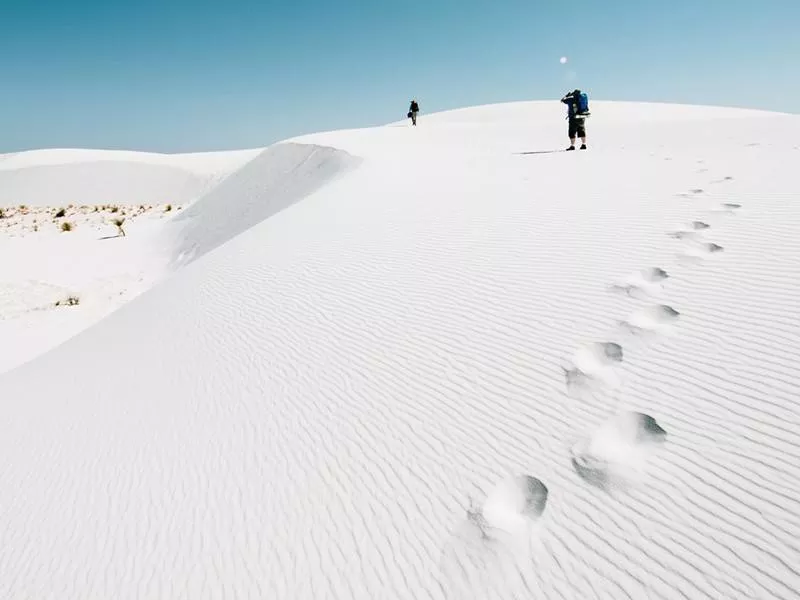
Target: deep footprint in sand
<point>490,547</point>
<point>615,456</point>
<point>683,235</point>
<point>511,507</point>
<point>694,233</point>
<point>652,319</point>
<point>649,282</point>
<point>727,208</point>
<point>595,362</point>
<point>514,503</point>
<point>701,250</point>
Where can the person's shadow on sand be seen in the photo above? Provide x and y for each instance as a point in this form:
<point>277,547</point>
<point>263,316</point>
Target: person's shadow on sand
<point>537,152</point>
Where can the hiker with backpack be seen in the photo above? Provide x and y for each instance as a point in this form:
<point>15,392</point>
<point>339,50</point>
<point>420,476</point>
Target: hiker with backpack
<point>577,110</point>
<point>412,112</point>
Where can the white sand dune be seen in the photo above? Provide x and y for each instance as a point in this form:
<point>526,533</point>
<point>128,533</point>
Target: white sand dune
<point>52,177</point>
<point>39,270</point>
<point>441,362</point>
<point>104,273</point>
<point>200,163</point>
<point>280,176</point>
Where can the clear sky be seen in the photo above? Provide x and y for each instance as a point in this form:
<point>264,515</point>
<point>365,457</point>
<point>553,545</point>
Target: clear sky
<point>180,75</point>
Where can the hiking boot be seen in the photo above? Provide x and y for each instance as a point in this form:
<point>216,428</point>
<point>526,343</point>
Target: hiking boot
<point>570,148</point>
<point>583,146</point>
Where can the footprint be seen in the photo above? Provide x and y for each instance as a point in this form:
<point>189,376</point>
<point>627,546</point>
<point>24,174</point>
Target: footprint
<point>694,233</point>
<point>649,282</point>
<point>697,191</point>
<point>489,549</point>
<point>657,319</point>
<point>514,503</point>
<point>701,250</point>
<point>683,235</point>
<point>595,361</point>
<point>615,456</point>
<point>728,208</point>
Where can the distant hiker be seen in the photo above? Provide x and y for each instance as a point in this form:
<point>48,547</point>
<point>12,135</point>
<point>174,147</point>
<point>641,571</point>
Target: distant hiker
<point>412,112</point>
<point>577,110</point>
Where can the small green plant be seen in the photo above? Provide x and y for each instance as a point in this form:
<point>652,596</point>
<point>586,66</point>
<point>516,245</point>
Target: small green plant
<point>119,223</point>
<point>67,226</point>
<point>61,212</point>
<point>168,208</point>
<point>23,207</point>
<point>2,213</point>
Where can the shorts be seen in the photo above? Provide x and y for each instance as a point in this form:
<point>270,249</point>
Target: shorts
<point>577,128</point>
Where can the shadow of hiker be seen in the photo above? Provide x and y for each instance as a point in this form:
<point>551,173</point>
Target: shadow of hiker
<point>537,152</point>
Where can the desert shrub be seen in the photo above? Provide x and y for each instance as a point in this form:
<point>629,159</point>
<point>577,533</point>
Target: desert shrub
<point>119,223</point>
<point>61,212</point>
<point>67,226</point>
<point>114,209</point>
<point>168,208</point>
<point>69,301</point>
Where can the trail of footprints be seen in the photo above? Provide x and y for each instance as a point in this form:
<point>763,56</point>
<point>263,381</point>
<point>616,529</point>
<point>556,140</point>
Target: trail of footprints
<point>613,457</point>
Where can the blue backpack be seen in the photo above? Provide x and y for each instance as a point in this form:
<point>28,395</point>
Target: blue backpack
<point>583,104</point>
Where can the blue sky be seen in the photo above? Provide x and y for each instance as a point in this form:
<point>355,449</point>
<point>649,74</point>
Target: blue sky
<point>179,75</point>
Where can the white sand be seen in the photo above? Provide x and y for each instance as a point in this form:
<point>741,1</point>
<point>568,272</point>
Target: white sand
<point>428,363</point>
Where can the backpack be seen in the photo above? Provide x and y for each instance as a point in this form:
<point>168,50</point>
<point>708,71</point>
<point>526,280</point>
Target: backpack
<point>583,105</point>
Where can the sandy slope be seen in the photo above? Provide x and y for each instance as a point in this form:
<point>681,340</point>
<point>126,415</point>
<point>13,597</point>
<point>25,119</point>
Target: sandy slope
<point>280,176</point>
<point>466,368</point>
<point>43,265</point>
<point>62,176</point>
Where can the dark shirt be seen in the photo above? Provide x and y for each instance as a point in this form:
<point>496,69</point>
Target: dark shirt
<point>572,105</point>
